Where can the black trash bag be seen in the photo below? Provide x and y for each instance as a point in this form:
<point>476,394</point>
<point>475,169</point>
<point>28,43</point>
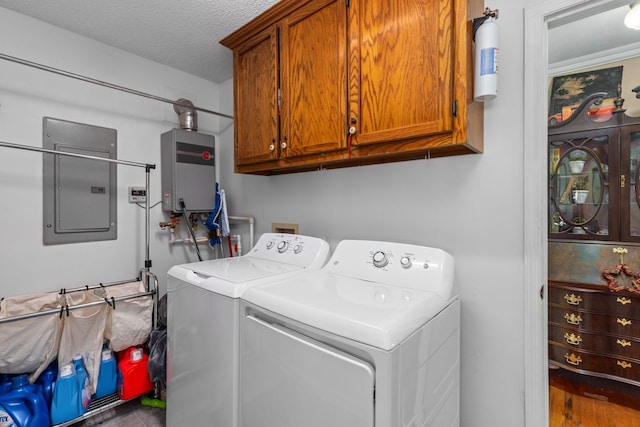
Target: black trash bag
<point>157,365</point>
<point>162,312</point>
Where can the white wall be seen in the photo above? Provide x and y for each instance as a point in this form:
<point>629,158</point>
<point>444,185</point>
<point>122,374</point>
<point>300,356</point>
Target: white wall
<point>26,96</point>
<point>472,206</point>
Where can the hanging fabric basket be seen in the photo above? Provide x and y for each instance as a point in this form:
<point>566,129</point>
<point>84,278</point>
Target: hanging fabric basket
<point>83,333</point>
<point>129,324</point>
<point>29,345</point>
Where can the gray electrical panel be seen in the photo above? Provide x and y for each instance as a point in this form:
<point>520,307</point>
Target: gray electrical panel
<point>187,170</point>
<point>79,193</point>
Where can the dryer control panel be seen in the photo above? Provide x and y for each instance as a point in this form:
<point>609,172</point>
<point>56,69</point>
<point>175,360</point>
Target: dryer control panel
<point>395,264</point>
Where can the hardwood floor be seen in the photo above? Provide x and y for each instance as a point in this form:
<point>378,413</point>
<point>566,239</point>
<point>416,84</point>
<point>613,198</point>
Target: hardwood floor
<point>572,404</point>
<point>571,410</point>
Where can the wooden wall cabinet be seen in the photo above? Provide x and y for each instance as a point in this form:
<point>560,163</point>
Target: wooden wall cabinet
<point>397,74</point>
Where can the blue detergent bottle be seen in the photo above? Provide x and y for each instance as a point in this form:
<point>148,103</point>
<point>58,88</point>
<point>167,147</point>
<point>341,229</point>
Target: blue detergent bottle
<point>83,381</point>
<point>23,405</point>
<point>67,400</point>
<point>5,383</point>
<point>45,381</point>
<point>108,376</point>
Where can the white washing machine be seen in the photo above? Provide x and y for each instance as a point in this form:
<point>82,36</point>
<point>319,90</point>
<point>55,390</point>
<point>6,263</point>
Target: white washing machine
<point>203,313</point>
<point>371,339</point>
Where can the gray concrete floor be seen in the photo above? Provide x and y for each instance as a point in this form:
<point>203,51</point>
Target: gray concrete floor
<point>129,414</point>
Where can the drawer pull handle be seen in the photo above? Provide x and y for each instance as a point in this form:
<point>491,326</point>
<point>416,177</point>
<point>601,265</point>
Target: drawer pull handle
<point>573,359</point>
<point>573,299</point>
<point>624,343</point>
<point>623,321</point>
<point>572,318</point>
<point>624,364</point>
<point>623,300</point>
<point>573,339</point>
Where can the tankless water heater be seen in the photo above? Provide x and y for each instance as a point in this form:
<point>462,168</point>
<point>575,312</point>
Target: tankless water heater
<point>187,170</point>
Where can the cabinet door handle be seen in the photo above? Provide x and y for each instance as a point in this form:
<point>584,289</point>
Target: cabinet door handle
<point>624,364</point>
<point>623,321</point>
<point>572,339</point>
<point>573,359</point>
<point>283,145</point>
<point>272,147</point>
<point>572,318</point>
<point>623,300</point>
<point>622,181</point>
<point>624,343</point>
<point>573,299</point>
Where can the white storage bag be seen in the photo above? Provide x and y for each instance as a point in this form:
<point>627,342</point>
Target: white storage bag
<point>130,323</point>
<point>29,345</point>
<point>83,333</point>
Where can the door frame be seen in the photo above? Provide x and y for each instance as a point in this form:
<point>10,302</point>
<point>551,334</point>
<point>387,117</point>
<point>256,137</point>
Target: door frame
<point>538,15</point>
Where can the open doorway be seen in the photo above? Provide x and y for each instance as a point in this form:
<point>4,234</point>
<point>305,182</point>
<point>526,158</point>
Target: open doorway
<point>544,25</point>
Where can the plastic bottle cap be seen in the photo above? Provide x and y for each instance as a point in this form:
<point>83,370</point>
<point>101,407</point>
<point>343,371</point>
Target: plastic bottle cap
<point>106,355</point>
<point>66,371</point>
<point>136,355</point>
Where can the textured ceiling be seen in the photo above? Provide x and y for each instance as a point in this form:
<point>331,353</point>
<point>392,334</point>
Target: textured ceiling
<point>182,34</point>
<point>185,34</point>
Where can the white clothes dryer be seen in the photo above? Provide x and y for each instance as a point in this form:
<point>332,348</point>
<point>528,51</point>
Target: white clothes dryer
<point>203,314</point>
<point>371,339</point>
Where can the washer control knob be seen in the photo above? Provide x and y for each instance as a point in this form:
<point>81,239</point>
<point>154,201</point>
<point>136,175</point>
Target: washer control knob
<point>297,249</point>
<point>282,246</point>
<point>405,262</point>
<point>380,259</point>
<point>269,244</point>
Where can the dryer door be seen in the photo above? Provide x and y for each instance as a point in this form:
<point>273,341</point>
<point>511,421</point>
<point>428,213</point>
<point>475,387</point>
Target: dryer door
<point>289,380</point>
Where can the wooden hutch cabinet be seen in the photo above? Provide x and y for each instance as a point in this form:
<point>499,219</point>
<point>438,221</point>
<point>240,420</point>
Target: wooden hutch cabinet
<point>594,205</point>
<point>595,332</point>
<point>335,83</point>
<point>594,187</point>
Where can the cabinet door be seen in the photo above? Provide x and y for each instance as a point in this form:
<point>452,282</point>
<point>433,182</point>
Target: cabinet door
<point>630,184</point>
<point>584,180</point>
<point>400,68</point>
<point>313,79</point>
<point>256,98</point>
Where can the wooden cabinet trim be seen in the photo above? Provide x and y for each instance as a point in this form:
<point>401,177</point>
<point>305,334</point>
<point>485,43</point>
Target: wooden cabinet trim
<point>262,21</point>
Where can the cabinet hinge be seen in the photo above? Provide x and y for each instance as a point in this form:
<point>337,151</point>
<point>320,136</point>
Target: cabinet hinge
<point>454,108</point>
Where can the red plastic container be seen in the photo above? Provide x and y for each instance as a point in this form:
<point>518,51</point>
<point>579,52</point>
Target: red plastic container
<point>133,377</point>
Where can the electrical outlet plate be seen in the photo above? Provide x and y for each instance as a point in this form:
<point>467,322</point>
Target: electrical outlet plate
<point>284,228</point>
<point>137,194</point>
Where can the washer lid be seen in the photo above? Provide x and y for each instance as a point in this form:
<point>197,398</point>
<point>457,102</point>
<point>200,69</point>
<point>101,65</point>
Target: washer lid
<point>371,313</point>
<point>232,276</point>
<point>241,269</point>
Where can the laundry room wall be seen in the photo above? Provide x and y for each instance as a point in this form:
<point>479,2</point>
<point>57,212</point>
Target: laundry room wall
<point>27,95</point>
<point>471,206</point>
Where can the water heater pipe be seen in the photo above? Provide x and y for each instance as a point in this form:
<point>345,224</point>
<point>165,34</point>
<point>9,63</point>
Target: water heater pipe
<point>251,221</point>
